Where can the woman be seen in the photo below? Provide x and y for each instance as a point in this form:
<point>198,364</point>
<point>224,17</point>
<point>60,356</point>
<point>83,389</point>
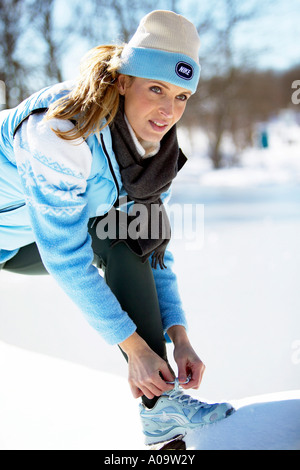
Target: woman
<point>70,155</point>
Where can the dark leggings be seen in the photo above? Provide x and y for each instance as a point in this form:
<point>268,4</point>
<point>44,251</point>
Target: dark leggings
<point>130,280</point>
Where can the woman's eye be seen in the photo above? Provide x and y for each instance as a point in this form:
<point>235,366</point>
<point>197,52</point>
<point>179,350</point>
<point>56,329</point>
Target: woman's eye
<point>156,89</point>
<point>182,97</point>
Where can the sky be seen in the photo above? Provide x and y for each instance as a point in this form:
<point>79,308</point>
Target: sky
<point>273,38</point>
<point>276,35</point>
<point>273,35</point>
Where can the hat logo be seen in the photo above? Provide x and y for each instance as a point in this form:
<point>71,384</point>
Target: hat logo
<point>184,70</point>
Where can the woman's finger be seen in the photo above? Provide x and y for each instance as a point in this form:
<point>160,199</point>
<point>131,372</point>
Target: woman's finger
<point>196,376</point>
<point>136,391</point>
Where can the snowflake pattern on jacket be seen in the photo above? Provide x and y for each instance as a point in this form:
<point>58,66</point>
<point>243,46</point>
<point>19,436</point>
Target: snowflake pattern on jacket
<point>54,175</point>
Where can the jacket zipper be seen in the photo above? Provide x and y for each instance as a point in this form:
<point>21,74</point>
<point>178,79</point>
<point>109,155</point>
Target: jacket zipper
<point>110,166</point>
<point>11,208</point>
<point>113,175</point>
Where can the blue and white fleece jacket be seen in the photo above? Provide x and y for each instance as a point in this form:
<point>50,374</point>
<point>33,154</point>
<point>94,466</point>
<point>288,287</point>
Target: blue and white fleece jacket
<point>49,189</point>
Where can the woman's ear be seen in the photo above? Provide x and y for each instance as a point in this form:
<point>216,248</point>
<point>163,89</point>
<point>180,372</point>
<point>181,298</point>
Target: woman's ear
<point>122,84</point>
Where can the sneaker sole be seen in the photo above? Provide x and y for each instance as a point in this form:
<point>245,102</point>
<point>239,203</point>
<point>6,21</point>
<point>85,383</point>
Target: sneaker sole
<point>176,443</point>
<point>181,430</point>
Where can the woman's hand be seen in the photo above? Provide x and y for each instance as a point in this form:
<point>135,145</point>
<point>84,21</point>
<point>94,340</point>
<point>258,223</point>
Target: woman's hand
<point>146,369</point>
<point>188,362</point>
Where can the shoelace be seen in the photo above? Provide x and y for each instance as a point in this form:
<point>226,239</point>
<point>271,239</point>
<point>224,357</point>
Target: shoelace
<point>177,394</point>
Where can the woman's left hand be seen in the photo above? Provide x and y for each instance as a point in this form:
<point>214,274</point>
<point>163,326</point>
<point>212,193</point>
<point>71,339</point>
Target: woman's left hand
<point>189,366</point>
<point>188,362</point>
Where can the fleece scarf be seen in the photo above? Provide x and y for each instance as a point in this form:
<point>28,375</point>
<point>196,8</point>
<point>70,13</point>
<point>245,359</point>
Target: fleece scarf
<point>144,181</point>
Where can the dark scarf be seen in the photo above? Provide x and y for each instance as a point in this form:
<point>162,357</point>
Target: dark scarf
<point>144,181</point>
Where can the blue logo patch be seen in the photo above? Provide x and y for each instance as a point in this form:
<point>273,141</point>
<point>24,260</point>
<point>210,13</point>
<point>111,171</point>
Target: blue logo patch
<point>184,70</point>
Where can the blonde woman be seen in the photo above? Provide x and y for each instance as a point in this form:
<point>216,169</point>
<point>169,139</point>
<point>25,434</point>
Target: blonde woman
<point>79,163</point>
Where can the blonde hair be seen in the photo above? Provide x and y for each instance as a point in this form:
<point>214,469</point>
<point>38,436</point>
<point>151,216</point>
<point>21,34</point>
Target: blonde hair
<point>94,101</point>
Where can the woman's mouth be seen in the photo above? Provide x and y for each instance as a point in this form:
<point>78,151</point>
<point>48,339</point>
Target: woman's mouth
<point>158,126</point>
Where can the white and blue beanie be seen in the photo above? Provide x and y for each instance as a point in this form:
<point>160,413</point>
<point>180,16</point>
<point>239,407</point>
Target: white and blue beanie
<point>165,47</point>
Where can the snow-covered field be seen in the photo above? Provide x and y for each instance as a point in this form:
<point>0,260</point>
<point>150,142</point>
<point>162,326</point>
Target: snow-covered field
<point>52,404</point>
<point>60,383</point>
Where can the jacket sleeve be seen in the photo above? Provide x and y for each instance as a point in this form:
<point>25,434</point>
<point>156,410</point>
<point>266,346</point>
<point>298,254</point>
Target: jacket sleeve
<point>54,175</point>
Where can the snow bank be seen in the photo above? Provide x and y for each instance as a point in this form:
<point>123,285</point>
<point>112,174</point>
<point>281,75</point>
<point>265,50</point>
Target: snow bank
<point>258,167</point>
<point>51,404</point>
<point>277,164</point>
<point>268,422</point>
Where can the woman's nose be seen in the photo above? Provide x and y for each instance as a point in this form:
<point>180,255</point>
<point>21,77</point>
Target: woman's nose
<point>167,108</point>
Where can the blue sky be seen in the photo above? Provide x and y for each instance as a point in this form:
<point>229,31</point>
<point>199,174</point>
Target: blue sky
<point>273,37</point>
<point>277,35</point>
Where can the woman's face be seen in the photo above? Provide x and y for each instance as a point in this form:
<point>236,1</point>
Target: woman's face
<point>152,107</point>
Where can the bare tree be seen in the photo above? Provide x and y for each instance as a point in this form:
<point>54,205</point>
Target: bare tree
<point>230,96</point>
<point>12,68</point>
<point>116,20</point>
<point>30,49</point>
<point>2,94</point>
<point>219,94</point>
<point>43,22</point>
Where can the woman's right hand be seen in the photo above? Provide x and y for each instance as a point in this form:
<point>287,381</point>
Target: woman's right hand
<point>146,369</point>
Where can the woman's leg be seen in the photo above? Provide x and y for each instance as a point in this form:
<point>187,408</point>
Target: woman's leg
<point>133,284</point>
<point>26,261</point>
<point>130,280</point>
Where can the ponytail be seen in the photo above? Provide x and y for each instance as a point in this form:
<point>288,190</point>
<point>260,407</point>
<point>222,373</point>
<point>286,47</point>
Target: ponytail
<point>94,101</point>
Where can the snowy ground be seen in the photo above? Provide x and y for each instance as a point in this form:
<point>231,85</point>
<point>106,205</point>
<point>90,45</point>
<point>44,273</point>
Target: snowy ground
<point>267,422</point>
<point>51,404</point>
<point>240,289</point>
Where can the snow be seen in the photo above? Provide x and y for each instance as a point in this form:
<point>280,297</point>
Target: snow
<point>277,164</point>
<point>270,422</point>
<point>61,383</point>
<point>51,404</point>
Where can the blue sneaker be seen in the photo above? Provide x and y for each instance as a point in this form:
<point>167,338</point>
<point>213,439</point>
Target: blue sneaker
<point>175,413</point>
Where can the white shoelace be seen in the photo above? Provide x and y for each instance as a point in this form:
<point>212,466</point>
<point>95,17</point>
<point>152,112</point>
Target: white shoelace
<point>177,394</point>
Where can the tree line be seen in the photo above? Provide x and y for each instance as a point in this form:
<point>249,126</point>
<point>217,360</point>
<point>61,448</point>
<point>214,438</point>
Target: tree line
<point>233,95</point>
<point>235,103</point>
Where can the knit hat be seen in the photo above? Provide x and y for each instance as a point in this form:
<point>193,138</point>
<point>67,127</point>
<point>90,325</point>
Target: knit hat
<point>165,47</point>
